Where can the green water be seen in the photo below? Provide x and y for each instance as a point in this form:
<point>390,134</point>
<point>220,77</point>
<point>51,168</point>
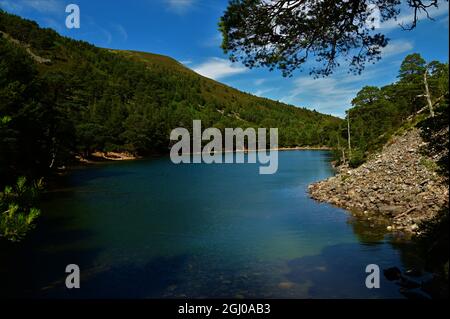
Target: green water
<point>152,229</point>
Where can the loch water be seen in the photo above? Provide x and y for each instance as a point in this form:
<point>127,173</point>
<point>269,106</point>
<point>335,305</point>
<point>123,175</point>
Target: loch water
<point>153,229</point>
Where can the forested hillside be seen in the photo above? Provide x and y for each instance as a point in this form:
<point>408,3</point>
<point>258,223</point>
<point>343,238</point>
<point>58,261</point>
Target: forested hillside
<point>378,113</point>
<point>60,97</point>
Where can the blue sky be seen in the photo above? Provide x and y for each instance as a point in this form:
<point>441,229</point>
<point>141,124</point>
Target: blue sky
<point>187,31</point>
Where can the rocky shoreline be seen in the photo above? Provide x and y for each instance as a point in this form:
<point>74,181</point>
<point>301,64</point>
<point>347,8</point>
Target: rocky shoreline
<point>398,186</point>
<point>107,156</point>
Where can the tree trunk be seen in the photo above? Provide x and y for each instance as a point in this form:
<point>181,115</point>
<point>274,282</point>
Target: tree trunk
<point>342,149</point>
<point>54,151</point>
<point>427,92</point>
<point>349,137</point>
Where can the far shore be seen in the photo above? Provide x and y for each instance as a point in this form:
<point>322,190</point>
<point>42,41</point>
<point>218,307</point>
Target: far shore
<point>98,157</point>
<point>280,149</point>
<point>305,148</point>
<point>101,157</point>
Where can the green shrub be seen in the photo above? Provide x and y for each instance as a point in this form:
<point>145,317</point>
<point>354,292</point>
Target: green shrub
<point>357,158</point>
<point>17,214</point>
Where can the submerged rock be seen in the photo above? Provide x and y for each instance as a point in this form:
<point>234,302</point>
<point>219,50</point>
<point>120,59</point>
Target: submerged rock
<point>286,285</point>
<point>392,274</point>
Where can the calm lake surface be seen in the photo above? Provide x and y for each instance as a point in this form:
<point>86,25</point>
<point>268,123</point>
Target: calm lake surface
<point>152,229</point>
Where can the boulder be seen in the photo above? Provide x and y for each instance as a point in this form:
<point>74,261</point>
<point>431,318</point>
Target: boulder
<point>392,273</point>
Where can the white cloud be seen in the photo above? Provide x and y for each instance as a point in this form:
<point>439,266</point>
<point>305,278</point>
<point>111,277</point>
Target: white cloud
<point>43,6</point>
<point>407,19</point>
<point>107,35</point>
<point>262,92</point>
<point>213,41</point>
<point>397,47</point>
<point>444,21</point>
<point>260,81</point>
<point>216,68</point>
<point>328,95</point>
<point>333,94</point>
<point>11,6</point>
<point>180,6</point>
<point>122,31</point>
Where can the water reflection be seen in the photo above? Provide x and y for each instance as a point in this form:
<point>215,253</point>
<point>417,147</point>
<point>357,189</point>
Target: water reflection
<point>151,229</point>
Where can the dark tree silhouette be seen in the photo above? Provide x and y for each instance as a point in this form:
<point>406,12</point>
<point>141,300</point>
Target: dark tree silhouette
<point>286,34</point>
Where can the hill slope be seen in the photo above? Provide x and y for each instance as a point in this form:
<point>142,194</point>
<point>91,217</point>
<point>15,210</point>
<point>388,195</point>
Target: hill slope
<point>77,98</point>
<point>398,184</point>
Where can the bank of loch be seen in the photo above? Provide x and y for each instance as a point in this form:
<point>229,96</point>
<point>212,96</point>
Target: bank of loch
<point>398,186</point>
